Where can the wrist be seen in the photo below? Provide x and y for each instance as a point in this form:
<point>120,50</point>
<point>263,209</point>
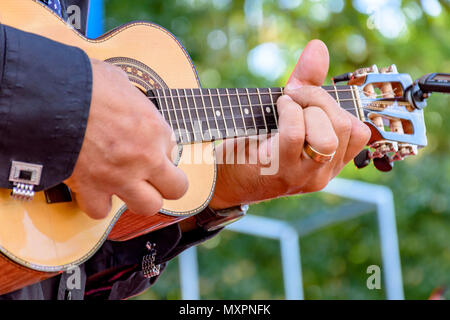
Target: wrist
<point>229,191</point>
<point>211,220</point>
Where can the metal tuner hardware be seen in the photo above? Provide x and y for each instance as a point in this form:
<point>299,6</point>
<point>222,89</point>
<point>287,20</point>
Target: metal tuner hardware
<point>24,177</point>
<point>391,104</point>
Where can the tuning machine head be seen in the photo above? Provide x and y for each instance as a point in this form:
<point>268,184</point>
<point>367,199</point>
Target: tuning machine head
<point>384,154</point>
<point>389,69</point>
<point>351,76</point>
<point>365,71</point>
<point>383,164</point>
<point>398,128</point>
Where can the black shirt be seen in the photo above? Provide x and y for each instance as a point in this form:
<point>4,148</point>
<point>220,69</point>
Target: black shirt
<point>45,95</point>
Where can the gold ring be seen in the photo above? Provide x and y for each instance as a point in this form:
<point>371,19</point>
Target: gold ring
<point>316,155</point>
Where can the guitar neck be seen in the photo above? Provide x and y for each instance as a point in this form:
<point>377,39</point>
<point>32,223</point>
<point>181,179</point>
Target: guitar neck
<point>199,115</point>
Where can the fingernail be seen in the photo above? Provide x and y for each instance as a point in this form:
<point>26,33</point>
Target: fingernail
<point>291,86</point>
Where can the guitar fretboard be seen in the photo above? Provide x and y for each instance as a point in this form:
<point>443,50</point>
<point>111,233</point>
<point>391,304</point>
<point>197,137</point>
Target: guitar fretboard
<point>198,115</point>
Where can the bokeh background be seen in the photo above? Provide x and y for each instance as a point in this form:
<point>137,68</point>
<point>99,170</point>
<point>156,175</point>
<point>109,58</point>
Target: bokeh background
<point>256,43</point>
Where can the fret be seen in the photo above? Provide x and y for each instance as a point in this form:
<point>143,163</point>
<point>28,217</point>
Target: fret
<point>203,116</point>
<point>345,99</point>
<point>190,116</point>
<point>208,116</point>
<point>269,108</point>
<point>161,108</point>
<point>216,114</point>
<point>236,131</point>
<point>251,108</point>
<point>262,110</point>
<point>354,104</point>
<point>273,108</point>
<point>199,121</point>
<point>175,110</point>
<point>360,113</point>
<point>242,111</point>
<point>189,133</point>
<point>168,109</point>
<point>227,112</point>
<point>337,96</point>
<point>223,113</point>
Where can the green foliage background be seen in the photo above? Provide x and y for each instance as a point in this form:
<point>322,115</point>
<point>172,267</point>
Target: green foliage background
<point>334,260</point>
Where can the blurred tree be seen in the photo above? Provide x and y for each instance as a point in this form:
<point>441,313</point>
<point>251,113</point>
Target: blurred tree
<point>256,43</point>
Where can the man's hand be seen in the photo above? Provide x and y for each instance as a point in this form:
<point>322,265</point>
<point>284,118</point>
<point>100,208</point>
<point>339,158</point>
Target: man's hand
<point>309,114</point>
<point>126,150</point>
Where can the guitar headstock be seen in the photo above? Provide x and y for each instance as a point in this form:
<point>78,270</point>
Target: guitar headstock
<point>398,128</point>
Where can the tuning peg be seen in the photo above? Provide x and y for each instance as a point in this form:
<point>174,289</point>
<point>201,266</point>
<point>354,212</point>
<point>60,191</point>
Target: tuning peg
<point>392,68</point>
<point>362,160</point>
<point>383,164</point>
<point>383,147</point>
<point>406,149</point>
<point>389,69</point>
<point>361,72</point>
<point>364,71</point>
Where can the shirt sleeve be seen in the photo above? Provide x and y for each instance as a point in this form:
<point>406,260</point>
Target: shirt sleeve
<point>115,271</point>
<point>45,96</point>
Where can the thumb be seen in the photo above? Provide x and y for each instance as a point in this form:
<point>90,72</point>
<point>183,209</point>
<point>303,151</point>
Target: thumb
<point>312,66</point>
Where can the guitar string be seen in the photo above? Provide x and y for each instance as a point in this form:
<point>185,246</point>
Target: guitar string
<point>257,105</point>
<point>248,94</point>
<point>243,93</point>
<point>249,105</point>
<point>263,93</point>
<point>225,118</point>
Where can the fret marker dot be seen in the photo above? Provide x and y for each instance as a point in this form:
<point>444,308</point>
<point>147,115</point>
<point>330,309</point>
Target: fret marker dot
<point>246,111</point>
<point>218,113</point>
<point>268,110</point>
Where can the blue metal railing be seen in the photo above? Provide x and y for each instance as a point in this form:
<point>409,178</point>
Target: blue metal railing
<point>95,23</point>
<point>371,196</point>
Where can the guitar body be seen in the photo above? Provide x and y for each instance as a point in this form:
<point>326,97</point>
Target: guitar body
<point>39,240</point>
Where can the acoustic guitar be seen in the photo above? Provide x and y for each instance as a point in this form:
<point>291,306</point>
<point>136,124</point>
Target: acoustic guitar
<point>50,234</point>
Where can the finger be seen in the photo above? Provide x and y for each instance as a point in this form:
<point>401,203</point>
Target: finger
<point>321,136</point>
<point>359,137</point>
<point>94,203</point>
<point>308,96</point>
<point>343,129</point>
<point>312,66</point>
<point>169,180</point>
<point>291,129</point>
<point>319,131</point>
<point>141,198</point>
<point>340,119</point>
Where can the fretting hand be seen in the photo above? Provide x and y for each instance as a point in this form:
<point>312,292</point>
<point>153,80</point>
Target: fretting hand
<point>307,114</point>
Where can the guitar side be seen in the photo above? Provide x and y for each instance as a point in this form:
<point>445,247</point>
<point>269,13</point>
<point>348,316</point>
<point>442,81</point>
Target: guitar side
<point>40,239</point>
